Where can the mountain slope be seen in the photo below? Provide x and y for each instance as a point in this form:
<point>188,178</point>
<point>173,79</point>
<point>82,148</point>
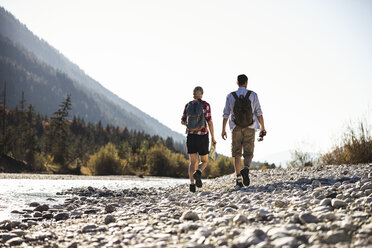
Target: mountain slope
<point>107,106</point>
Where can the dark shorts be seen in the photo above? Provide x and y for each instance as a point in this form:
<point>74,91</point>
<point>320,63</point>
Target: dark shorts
<point>197,144</point>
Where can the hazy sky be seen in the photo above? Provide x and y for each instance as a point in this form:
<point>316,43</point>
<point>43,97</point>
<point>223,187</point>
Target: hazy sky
<point>309,61</point>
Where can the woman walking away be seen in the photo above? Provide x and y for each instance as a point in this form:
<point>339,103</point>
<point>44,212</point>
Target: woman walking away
<point>196,116</point>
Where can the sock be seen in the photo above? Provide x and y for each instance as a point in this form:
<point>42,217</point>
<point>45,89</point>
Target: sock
<point>192,183</point>
<point>238,176</point>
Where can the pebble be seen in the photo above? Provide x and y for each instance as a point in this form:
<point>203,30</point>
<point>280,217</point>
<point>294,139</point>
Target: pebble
<point>34,204</point>
<point>285,242</point>
<point>239,219</point>
<point>42,208</point>
<point>336,203</point>
<point>109,219</point>
<point>308,218</point>
<point>89,228</point>
<point>325,202</point>
<point>334,237</point>
<point>61,216</point>
<point>109,208</point>
<point>280,204</point>
<point>189,215</point>
<point>6,236</point>
<point>14,241</point>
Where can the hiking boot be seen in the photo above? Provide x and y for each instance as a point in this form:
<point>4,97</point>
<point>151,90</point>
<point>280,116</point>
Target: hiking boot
<point>197,177</point>
<point>245,174</point>
<point>239,183</point>
<point>192,188</point>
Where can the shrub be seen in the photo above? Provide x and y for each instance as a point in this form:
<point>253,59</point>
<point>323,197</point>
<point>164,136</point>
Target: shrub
<point>158,161</point>
<point>127,169</point>
<point>106,161</point>
<point>301,159</point>
<point>44,163</point>
<point>179,165</point>
<point>354,148</point>
<point>221,166</point>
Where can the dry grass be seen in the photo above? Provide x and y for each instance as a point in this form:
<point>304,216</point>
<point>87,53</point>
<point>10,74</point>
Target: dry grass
<point>354,148</point>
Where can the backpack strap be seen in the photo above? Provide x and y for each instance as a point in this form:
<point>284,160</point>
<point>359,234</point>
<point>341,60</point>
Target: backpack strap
<point>235,95</point>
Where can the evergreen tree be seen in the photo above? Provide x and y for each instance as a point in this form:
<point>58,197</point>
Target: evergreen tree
<point>29,136</point>
<point>58,134</point>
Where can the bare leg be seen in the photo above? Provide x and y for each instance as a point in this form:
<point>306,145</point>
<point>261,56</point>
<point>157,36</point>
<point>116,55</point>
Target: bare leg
<point>192,165</point>
<point>238,165</point>
<point>248,162</point>
<point>203,162</point>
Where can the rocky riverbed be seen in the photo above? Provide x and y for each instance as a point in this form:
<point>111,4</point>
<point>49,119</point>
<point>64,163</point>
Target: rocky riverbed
<point>328,206</point>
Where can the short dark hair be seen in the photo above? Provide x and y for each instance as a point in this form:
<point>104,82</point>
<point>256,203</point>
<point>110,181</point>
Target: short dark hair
<point>242,79</point>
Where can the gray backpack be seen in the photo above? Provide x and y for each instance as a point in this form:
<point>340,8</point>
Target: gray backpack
<point>195,116</point>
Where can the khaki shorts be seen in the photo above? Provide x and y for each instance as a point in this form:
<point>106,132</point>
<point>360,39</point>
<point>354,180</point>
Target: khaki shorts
<point>243,138</point>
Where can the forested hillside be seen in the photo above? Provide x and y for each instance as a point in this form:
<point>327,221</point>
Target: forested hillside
<point>31,65</point>
<point>61,145</point>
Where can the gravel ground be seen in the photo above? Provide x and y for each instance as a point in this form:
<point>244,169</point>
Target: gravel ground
<point>327,206</point>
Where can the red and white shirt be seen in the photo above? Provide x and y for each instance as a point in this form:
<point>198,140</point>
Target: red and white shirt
<point>207,116</point>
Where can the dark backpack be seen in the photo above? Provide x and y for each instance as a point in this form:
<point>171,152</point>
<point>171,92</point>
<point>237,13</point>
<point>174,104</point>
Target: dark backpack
<point>243,116</point>
<point>195,116</point>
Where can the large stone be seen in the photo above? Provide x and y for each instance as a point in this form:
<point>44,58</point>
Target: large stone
<point>38,236</point>
<point>285,241</point>
<point>334,237</point>
<point>316,183</point>
<point>249,237</point>
<point>280,204</point>
<point>38,214</point>
<point>109,208</point>
<point>336,203</point>
<point>14,241</point>
<point>262,213</point>
<point>76,214</point>
<point>6,236</point>
<point>6,225</point>
<point>109,219</point>
<point>366,186</point>
<point>42,208</point>
<point>239,219</point>
<point>202,232</point>
<point>34,204</point>
<point>90,211</point>
<point>308,218</point>
<point>48,216</point>
<point>328,216</point>
<point>189,215</point>
<point>61,216</point>
<point>229,210</point>
<point>89,228</point>
<point>325,202</point>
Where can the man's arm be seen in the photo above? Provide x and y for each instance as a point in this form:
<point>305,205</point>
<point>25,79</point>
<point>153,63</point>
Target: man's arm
<point>226,114</point>
<point>211,129</point>
<point>262,124</point>
<point>224,134</point>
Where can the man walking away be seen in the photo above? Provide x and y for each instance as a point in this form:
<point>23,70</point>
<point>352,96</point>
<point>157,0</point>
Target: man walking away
<point>243,110</point>
<point>196,116</point>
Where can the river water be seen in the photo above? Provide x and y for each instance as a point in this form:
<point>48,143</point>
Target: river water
<point>18,193</point>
